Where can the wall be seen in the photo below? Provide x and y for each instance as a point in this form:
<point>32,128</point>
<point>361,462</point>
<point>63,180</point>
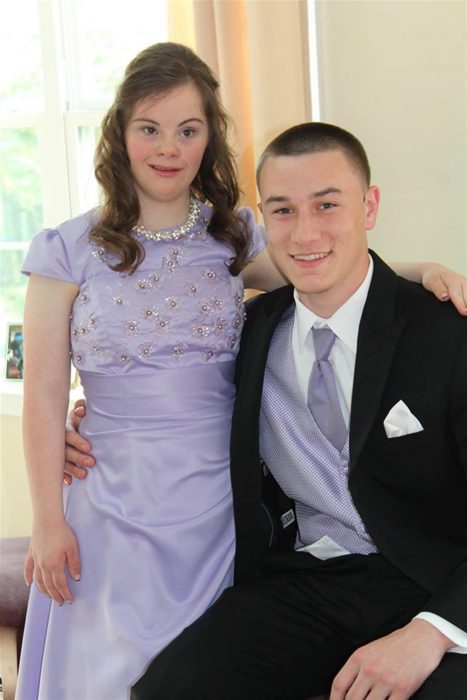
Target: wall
<point>394,73</point>
<point>15,508</point>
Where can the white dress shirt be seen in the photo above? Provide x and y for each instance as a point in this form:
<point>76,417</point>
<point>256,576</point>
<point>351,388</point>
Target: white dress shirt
<point>345,324</point>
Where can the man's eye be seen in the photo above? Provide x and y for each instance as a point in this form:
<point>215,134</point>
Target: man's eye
<point>327,205</point>
<point>282,210</point>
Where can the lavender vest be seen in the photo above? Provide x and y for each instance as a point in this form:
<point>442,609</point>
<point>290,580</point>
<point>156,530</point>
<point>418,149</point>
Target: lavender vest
<point>308,468</point>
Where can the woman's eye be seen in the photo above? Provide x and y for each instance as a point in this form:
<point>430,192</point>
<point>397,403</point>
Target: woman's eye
<point>188,132</point>
<point>150,130</point>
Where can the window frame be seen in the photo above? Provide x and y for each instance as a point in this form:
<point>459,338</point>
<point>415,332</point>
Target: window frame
<point>60,166</point>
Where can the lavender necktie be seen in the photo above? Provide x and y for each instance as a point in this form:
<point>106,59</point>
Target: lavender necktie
<point>323,400</point>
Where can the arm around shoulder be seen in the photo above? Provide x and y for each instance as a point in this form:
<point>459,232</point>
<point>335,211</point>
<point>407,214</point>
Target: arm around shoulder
<point>444,283</point>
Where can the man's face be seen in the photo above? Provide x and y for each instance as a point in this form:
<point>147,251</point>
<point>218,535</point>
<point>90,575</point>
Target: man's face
<point>317,210</point>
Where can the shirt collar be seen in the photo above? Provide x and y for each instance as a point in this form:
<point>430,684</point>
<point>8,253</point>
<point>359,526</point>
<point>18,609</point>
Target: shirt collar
<point>344,322</point>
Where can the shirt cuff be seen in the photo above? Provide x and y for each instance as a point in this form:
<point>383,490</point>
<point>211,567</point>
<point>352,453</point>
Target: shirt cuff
<point>455,634</point>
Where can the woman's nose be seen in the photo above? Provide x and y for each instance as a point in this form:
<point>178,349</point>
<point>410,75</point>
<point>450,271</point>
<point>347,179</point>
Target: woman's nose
<point>167,146</point>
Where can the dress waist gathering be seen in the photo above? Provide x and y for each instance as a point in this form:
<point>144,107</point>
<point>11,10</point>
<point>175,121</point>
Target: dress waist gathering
<point>178,390</point>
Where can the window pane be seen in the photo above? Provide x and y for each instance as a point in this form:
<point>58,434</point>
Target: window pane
<point>101,38</point>
<point>88,187</point>
<point>21,80</point>
<point>13,285</point>
<point>20,188</point>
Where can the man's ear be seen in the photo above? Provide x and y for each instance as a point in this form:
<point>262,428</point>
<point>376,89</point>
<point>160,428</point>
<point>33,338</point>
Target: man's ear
<point>260,207</point>
<point>372,199</point>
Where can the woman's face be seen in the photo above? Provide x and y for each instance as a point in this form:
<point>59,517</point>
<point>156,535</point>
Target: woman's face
<point>165,138</point>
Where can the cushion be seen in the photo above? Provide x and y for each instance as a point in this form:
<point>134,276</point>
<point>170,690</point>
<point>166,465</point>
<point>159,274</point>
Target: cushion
<point>14,592</point>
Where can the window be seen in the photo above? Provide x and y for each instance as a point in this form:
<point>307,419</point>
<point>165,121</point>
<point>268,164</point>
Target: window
<point>64,60</point>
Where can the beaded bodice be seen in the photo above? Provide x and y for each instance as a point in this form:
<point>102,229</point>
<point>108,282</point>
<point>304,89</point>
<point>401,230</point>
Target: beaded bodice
<point>181,307</point>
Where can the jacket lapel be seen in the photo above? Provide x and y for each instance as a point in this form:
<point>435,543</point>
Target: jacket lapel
<point>252,523</point>
<point>378,337</point>
<point>257,338</point>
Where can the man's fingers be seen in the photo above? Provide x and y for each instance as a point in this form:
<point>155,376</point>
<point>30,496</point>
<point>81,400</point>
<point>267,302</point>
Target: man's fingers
<point>343,681</point>
<point>75,455</point>
<point>77,413</point>
<point>77,451</point>
<point>75,440</point>
<point>74,470</point>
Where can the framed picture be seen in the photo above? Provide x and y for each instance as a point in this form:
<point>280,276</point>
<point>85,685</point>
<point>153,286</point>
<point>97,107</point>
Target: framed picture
<point>14,351</point>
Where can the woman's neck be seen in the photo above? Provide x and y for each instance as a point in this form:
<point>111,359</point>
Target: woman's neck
<point>162,215</point>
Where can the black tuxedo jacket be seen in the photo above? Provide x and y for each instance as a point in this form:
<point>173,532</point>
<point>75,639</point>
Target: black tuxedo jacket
<point>410,491</point>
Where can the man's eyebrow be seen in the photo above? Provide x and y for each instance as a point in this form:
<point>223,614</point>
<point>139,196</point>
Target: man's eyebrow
<point>274,199</point>
<point>327,190</point>
<point>277,198</point>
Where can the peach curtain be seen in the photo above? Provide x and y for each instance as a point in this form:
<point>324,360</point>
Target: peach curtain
<point>259,51</point>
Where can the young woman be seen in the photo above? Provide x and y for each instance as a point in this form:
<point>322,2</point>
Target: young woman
<point>148,291</point>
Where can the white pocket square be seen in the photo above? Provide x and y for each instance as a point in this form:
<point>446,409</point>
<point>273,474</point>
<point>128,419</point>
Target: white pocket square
<point>400,421</point>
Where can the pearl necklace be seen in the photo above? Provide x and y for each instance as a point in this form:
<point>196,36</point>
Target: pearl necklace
<point>175,233</point>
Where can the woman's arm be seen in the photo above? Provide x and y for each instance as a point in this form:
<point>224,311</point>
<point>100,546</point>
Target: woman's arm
<point>46,390</point>
<point>262,274</point>
<point>444,283</point>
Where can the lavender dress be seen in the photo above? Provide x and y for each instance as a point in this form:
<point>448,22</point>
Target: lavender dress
<point>155,351</point>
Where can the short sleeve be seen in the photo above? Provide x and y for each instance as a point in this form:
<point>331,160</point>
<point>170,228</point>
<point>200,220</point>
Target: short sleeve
<point>47,256</point>
<point>62,253</point>
<point>257,232</point>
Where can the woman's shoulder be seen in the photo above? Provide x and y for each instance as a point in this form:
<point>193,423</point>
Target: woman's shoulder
<point>62,251</point>
<point>245,214</point>
<point>76,229</point>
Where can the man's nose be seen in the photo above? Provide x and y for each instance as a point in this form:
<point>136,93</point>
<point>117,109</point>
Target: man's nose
<point>305,228</point>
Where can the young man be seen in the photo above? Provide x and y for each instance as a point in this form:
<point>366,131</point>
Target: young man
<point>349,464</point>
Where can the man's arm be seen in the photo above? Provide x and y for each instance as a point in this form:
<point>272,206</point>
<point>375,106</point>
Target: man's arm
<point>443,282</point>
<point>394,666</point>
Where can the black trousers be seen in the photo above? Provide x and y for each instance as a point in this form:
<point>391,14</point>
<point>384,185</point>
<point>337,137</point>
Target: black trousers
<point>288,634</point>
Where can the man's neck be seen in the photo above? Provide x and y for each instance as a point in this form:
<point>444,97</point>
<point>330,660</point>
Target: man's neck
<point>326,306</point>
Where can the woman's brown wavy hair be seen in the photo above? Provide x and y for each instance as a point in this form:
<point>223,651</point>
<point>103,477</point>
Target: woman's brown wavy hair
<point>157,70</point>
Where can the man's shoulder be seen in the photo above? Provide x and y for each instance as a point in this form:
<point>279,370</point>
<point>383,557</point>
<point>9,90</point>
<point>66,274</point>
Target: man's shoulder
<point>415,302</point>
<point>263,311</point>
<point>269,301</point>
<point>411,300</point>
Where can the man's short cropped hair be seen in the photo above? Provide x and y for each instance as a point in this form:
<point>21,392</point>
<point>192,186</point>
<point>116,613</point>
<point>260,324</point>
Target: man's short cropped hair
<point>316,137</point>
